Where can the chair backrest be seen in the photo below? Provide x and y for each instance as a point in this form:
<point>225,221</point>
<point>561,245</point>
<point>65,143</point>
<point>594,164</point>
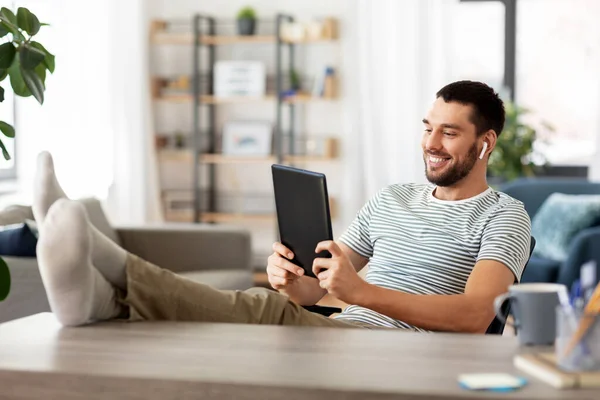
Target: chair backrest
<point>497,326</point>
<point>534,191</point>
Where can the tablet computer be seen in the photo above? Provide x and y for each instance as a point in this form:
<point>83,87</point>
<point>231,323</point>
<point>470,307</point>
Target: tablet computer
<point>303,214</point>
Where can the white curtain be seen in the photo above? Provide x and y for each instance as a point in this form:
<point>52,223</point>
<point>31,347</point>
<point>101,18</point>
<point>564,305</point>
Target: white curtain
<point>134,194</point>
<point>397,61</point>
<point>94,118</point>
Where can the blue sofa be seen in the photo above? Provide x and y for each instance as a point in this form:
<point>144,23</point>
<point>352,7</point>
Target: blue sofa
<point>585,245</point>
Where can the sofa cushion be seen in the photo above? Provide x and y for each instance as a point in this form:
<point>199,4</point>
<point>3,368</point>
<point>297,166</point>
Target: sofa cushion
<point>224,280</point>
<point>15,214</point>
<point>559,219</point>
<point>540,270</point>
<point>18,240</point>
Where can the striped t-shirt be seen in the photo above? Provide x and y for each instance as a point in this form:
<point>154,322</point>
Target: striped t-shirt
<point>418,244</point>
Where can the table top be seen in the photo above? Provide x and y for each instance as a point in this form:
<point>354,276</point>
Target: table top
<point>39,358</point>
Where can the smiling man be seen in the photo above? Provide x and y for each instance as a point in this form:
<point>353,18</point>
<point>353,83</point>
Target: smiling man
<point>438,253</point>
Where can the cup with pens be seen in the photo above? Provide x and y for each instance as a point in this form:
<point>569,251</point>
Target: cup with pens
<point>577,346</point>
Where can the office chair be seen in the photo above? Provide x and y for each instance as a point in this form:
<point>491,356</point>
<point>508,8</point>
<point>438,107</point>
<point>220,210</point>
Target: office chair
<point>495,328</point>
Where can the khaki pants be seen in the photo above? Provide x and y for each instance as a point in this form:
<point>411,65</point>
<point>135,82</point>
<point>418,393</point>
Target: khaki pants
<point>154,293</point>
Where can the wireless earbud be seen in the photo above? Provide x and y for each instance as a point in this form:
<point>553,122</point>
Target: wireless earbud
<point>483,150</point>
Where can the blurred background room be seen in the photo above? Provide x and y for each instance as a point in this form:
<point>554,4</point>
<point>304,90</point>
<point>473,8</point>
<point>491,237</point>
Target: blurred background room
<point>172,112</point>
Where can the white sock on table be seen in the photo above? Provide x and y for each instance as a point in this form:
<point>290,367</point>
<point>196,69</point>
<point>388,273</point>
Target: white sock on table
<point>107,256</point>
<point>77,292</point>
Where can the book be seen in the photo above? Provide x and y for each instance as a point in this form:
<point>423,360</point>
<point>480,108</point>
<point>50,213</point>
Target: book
<point>543,366</point>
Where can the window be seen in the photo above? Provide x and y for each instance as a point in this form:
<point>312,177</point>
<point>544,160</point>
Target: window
<point>557,64</point>
<point>558,59</point>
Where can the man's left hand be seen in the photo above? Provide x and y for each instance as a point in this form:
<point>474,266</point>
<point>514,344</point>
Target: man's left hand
<point>337,275</point>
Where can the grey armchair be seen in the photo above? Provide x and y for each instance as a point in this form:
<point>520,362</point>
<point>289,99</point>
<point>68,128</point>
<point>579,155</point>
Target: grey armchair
<point>215,255</point>
<point>585,245</point>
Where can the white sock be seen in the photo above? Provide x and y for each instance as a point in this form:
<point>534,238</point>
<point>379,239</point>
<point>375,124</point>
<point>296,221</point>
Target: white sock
<point>107,256</point>
<point>77,292</point>
<point>47,189</point>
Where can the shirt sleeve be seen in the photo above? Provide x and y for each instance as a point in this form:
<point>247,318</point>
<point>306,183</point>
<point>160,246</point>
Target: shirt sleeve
<point>358,236</point>
<point>507,237</point>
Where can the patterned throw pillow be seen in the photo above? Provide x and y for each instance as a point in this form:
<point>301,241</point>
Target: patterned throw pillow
<point>559,219</point>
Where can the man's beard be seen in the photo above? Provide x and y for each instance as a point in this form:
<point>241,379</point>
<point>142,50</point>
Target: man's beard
<point>453,173</point>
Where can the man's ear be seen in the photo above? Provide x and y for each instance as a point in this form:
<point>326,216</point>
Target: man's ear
<point>490,138</point>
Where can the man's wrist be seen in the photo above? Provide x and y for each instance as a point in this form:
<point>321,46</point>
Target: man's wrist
<point>364,294</point>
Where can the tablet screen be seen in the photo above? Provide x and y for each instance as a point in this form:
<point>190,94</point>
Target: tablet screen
<point>303,214</point>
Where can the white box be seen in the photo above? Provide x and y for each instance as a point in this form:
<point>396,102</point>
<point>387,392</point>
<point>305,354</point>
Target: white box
<point>239,78</point>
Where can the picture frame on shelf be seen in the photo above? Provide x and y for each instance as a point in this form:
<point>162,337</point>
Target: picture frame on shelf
<point>247,138</point>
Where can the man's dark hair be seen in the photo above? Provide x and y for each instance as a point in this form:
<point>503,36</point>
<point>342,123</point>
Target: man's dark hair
<point>488,108</point>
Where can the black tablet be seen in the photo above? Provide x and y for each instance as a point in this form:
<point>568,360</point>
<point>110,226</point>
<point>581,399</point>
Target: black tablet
<point>303,213</point>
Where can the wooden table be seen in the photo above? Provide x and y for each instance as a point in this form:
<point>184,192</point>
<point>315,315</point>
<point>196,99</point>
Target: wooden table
<point>166,360</point>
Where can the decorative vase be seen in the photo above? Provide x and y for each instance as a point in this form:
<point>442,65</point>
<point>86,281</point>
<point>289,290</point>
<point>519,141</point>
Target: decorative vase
<point>246,26</point>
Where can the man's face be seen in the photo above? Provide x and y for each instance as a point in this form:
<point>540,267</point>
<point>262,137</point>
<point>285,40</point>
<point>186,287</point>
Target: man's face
<point>449,143</point>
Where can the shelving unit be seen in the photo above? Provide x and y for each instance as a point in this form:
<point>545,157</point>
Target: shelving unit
<point>204,35</point>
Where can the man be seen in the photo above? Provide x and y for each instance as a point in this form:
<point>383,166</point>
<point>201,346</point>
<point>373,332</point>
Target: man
<point>438,254</point>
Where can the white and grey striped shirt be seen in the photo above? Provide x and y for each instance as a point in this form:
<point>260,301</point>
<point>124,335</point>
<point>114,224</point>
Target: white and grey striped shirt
<point>422,245</point>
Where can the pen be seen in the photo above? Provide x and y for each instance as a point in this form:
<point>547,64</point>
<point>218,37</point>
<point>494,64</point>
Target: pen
<point>591,308</point>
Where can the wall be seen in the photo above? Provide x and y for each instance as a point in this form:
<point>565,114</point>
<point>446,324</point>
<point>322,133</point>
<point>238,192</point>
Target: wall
<point>323,118</point>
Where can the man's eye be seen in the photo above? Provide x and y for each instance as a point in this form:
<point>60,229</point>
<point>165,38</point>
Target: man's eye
<point>449,134</point>
<point>428,130</point>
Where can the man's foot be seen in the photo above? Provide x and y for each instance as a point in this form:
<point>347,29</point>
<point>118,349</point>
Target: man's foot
<point>47,189</point>
<point>77,292</point>
<point>107,256</point>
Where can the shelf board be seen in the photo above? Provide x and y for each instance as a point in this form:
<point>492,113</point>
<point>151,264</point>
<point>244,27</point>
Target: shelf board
<point>187,38</point>
<point>221,40</point>
<point>235,217</point>
<point>186,156</point>
<point>209,99</point>
<point>188,216</point>
<point>162,37</point>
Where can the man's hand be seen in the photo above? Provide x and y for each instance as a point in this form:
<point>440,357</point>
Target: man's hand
<point>281,272</point>
<point>337,275</point>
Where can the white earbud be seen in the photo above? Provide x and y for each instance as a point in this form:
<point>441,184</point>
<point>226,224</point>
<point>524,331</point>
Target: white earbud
<point>483,150</point>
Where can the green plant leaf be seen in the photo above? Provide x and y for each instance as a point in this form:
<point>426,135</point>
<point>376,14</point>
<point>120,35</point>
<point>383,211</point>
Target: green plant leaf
<point>9,15</point>
<point>17,35</point>
<point>1,94</point>
<point>30,57</point>
<point>27,21</point>
<point>16,79</point>
<point>7,54</point>
<point>34,84</point>
<point>3,31</point>
<point>40,71</point>
<point>3,74</point>
<point>7,129</point>
<point>6,157</point>
<point>48,59</point>
<point>4,274</point>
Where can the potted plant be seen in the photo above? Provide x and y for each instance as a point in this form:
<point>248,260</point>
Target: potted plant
<point>514,154</point>
<point>25,62</point>
<point>246,21</point>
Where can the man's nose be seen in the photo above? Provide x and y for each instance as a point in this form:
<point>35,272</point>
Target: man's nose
<point>433,141</point>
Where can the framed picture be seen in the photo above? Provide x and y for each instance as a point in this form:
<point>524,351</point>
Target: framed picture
<point>239,78</point>
<point>247,138</point>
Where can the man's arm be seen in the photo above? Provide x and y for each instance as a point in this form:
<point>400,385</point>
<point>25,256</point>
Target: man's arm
<point>356,259</point>
<point>472,311</point>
